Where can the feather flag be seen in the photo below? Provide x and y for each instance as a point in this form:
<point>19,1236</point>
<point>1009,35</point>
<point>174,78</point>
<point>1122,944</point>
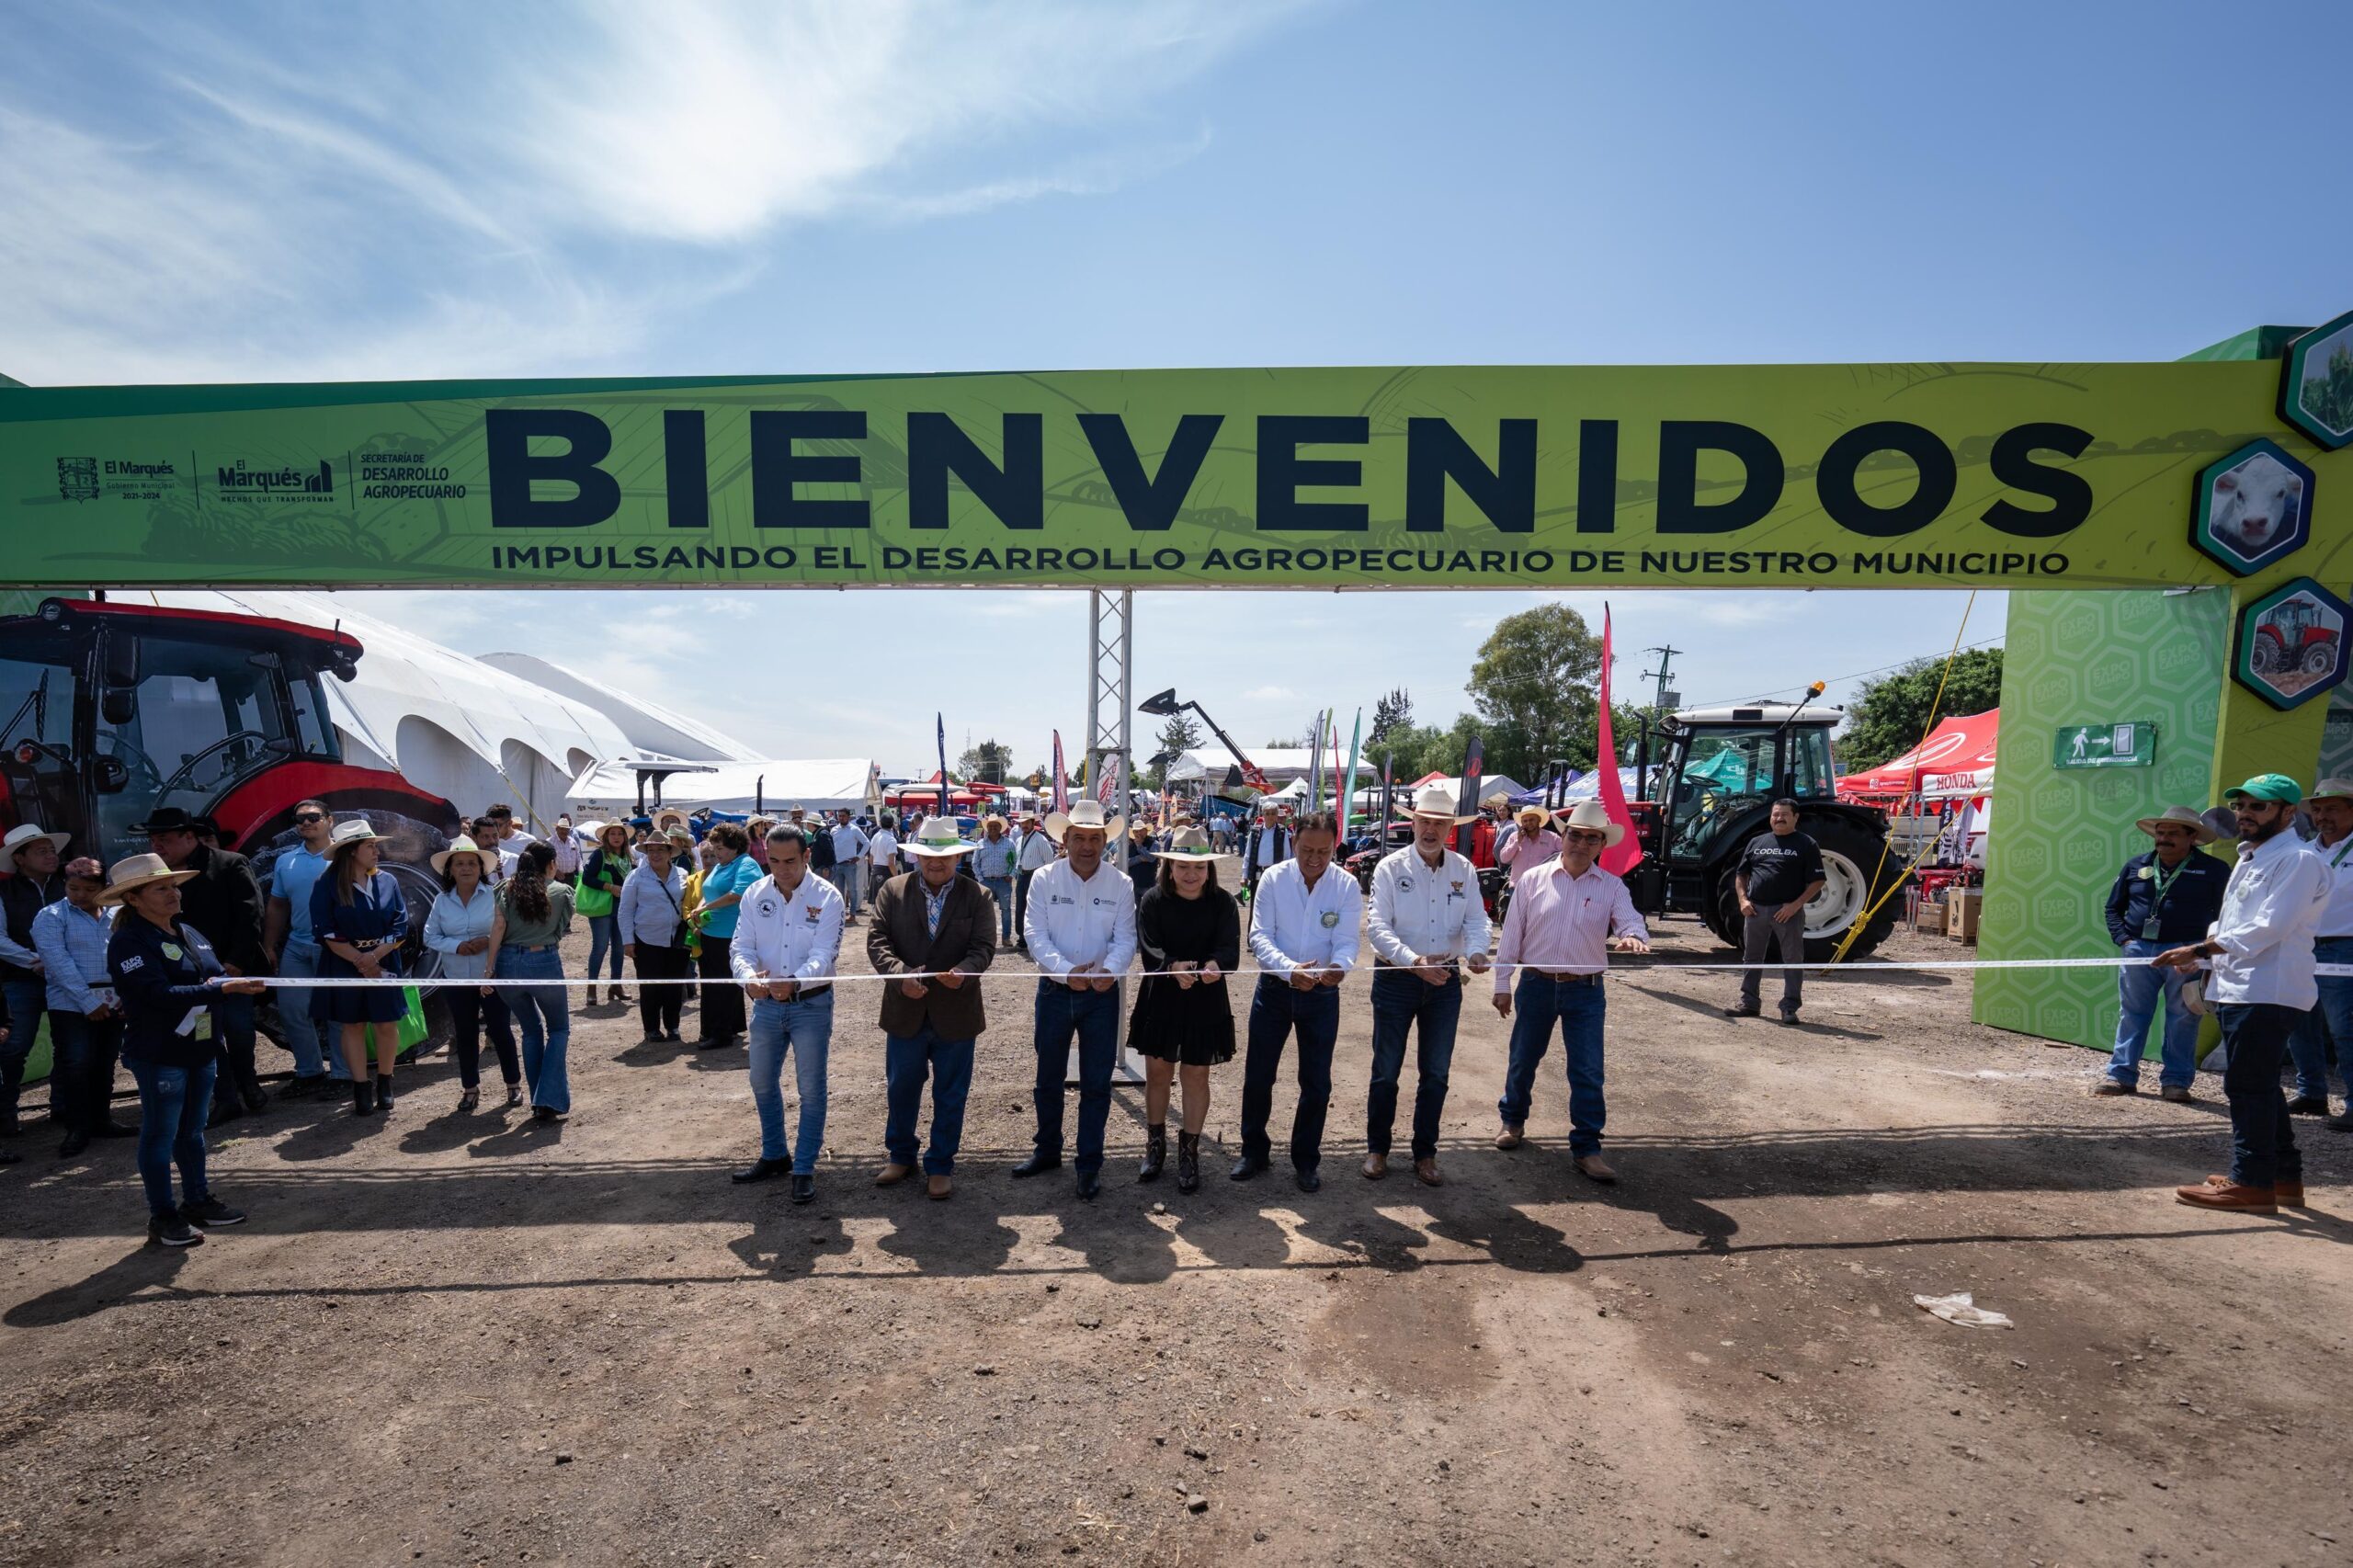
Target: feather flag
<point>1061,779</point>
<point>942,719</point>
<point>1106,786</point>
<point>1316,766</point>
<point>1348,791</point>
<point>1621,856</point>
<point>1466,793</point>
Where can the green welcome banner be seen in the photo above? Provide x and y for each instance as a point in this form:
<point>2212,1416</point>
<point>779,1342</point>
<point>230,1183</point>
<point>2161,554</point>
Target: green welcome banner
<point>2010,476</point>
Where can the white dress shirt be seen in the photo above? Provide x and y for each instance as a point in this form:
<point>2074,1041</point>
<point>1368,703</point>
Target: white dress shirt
<point>849,844</point>
<point>781,936</point>
<point>2271,905</point>
<point>2336,915</point>
<point>1073,921</point>
<point>1037,852</point>
<point>1419,912</point>
<point>1561,923</point>
<point>1295,926</point>
<point>883,850</point>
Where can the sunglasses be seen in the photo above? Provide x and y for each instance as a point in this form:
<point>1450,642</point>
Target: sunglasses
<point>310,816</point>
<point>1586,835</point>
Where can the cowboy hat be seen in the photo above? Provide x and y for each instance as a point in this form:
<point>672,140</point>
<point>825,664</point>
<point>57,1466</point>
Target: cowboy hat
<point>355,830</point>
<point>2181,816</point>
<point>1531,810</point>
<point>166,819</point>
<point>1188,842</point>
<point>2332,789</point>
<point>461,845</point>
<point>1590,816</point>
<point>25,832</point>
<point>1084,813</point>
<point>670,816</point>
<point>937,836</point>
<point>1437,800</point>
<point>138,872</point>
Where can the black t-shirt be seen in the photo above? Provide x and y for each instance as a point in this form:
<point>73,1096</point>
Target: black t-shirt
<point>1779,868</point>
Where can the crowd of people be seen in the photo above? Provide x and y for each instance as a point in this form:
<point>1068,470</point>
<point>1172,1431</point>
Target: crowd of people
<point>160,961</point>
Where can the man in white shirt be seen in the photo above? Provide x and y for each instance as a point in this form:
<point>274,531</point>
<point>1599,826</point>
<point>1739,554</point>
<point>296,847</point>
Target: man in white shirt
<point>1303,935</point>
<point>1035,853</point>
<point>850,846</point>
<point>2261,984</point>
<point>2331,806</point>
<point>566,845</point>
<point>1082,930</point>
<point>1550,961</point>
<point>788,937</point>
<point>881,856</point>
<point>1427,924</point>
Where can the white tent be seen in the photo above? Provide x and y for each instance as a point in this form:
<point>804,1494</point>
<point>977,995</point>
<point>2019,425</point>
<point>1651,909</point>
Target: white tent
<point>652,729</point>
<point>441,720</point>
<point>823,784</point>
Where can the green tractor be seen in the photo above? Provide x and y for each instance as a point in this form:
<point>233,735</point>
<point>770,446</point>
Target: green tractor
<point>1719,772</point>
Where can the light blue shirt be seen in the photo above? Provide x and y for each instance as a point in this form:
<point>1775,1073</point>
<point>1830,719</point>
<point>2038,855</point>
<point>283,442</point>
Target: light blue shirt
<point>291,877</point>
<point>737,877</point>
<point>454,921</point>
<point>649,913</point>
<point>73,949</point>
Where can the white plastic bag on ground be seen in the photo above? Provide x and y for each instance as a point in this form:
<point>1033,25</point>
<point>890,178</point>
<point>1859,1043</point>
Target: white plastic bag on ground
<point>1961,1309</point>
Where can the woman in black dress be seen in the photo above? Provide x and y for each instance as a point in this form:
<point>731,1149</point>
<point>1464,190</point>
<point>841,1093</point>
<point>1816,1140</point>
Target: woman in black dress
<point>1190,932</point>
<point>360,919</point>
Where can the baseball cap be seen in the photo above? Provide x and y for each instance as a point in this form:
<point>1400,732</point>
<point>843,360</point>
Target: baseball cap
<point>2267,786</point>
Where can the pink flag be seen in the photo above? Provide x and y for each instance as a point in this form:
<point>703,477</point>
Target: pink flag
<point>1622,856</point>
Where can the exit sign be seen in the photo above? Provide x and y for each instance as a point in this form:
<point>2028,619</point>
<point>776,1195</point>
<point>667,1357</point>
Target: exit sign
<point>2132,744</point>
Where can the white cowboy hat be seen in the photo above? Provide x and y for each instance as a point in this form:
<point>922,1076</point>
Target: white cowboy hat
<point>2332,789</point>
<point>1188,842</point>
<point>2184,816</point>
<point>25,834</point>
<point>461,845</point>
<point>355,830</point>
<point>139,871</point>
<point>1084,813</point>
<point>1532,809</point>
<point>1437,800</point>
<point>937,836</point>
<point>1591,816</point>
<point>670,816</point>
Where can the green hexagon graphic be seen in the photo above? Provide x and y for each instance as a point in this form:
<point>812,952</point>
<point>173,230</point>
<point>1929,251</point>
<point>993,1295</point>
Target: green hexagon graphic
<point>2253,508</point>
<point>2291,643</point>
<point>2316,383</point>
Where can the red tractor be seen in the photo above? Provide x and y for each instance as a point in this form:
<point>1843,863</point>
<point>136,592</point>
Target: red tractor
<point>113,709</point>
<point>2291,639</point>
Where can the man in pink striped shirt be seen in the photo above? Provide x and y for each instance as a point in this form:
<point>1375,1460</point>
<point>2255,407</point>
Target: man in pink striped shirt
<point>1567,916</point>
<point>1527,843</point>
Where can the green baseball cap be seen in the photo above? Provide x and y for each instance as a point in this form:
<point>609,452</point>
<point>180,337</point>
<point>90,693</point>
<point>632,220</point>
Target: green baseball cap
<point>2267,786</point>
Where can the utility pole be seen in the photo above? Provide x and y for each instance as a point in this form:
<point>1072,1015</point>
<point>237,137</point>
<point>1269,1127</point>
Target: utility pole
<point>1663,699</point>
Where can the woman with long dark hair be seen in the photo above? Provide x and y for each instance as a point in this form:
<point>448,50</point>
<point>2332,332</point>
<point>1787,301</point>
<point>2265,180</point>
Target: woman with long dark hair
<point>1189,931</point>
<point>360,918</point>
<point>534,915</point>
<point>460,930</point>
<point>733,872</point>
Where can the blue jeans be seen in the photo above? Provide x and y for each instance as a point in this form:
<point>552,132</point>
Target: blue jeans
<point>2263,1136</point>
<point>2138,986</point>
<point>1001,890</point>
<point>1401,1002</point>
<point>544,1017</point>
<point>299,960</point>
<point>907,1060</point>
<point>28,999</point>
<point>81,1076</point>
<point>173,1105</point>
<point>604,937</point>
<point>2331,1019</point>
<point>1275,1010</point>
<point>803,1026</point>
<point>1094,1017</point>
<point>1536,1003</point>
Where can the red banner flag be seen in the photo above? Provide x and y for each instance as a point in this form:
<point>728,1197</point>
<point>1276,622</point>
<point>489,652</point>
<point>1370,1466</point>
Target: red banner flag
<point>1622,856</point>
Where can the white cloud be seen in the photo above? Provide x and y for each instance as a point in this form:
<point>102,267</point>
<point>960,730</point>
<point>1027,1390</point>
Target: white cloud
<point>1270,694</point>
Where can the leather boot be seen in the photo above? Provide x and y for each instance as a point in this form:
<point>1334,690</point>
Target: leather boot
<point>1189,1162</point>
<point>1156,1152</point>
<point>383,1091</point>
<point>363,1098</point>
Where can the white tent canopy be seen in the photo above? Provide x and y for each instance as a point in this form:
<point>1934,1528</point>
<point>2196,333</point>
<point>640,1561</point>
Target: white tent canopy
<point>652,729</point>
<point>821,784</point>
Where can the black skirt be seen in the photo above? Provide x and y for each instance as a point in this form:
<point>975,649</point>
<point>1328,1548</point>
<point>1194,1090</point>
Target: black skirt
<point>1192,1026</point>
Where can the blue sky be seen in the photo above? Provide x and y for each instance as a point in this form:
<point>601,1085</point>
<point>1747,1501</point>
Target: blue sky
<point>296,191</point>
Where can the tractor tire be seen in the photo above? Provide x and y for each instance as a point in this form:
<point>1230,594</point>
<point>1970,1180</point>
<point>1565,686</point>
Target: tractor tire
<point>1856,873</point>
<point>2266,656</point>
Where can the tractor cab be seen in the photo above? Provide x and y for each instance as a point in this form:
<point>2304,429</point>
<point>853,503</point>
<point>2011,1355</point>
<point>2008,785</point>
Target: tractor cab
<point>114,709</point>
<point>1719,763</point>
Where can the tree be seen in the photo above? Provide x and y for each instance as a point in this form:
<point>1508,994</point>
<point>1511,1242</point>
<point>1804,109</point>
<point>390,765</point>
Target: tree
<point>1390,714</point>
<point>989,763</point>
<point>1533,687</point>
<point>1890,715</point>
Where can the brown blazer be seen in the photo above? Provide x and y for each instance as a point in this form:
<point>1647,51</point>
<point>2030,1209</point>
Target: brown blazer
<point>897,941</point>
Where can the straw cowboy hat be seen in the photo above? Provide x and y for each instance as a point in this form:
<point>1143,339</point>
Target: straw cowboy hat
<point>937,836</point>
<point>355,830</point>
<point>2182,816</point>
<point>1437,800</point>
<point>1188,842</point>
<point>669,817</point>
<point>1530,810</point>
<point>139,871</point>
<point>461,845</point>
<point>1591,816</point>
<point>20,836</point>
<point>1084,813</point>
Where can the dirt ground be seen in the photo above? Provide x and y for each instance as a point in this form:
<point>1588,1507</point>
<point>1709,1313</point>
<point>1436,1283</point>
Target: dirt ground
<point>459,1339</point>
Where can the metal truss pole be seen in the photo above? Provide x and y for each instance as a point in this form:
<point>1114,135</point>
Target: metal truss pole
<point>1110,665</point>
